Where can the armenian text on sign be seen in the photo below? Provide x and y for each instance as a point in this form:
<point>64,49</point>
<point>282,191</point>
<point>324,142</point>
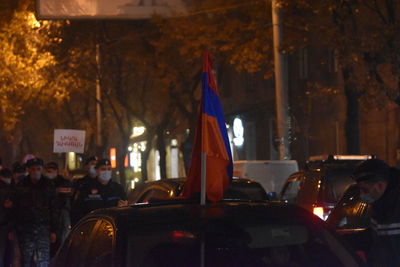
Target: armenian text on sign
<point>66,140</point>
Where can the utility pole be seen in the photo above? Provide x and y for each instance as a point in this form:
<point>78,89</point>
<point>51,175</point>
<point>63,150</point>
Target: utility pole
<point>281,83</point>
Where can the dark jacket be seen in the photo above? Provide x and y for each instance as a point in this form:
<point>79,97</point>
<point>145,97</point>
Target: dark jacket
<point>79,183</point>
<point>95,195</point>
<point>34,204</point>
<point>7,204</point>
<point>62,201</point>
<point>385,224</point>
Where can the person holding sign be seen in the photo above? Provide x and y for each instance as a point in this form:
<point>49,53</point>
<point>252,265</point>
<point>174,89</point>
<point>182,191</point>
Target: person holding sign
<point>102,192</point>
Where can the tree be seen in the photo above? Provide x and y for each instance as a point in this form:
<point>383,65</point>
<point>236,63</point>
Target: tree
<point>363,36</point>
<point>27,80</point>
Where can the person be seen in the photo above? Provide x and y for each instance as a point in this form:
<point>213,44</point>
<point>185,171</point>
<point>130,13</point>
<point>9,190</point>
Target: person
<point>101,192</point>
<point>19,172</point>
<point>6,217</point>
<point>379,186</point>
<point>34,223</point>
<point>62,204</point>
<point>90,166</point>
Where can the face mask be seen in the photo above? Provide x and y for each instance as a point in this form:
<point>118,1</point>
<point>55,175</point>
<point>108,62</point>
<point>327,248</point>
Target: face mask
<point>92,171</point>
<point>367,198</point>
<point>105,176</point>
<point>36,175</point>
<point>6,180</point>
<point>51,175</point>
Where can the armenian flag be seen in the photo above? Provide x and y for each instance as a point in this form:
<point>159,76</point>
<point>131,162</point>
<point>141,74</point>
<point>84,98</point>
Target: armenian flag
<point>211,154</point>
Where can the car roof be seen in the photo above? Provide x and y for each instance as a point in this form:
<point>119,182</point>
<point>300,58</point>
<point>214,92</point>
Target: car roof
<point>335,161</point>
<point>181,181</point>
<point>169,211</point>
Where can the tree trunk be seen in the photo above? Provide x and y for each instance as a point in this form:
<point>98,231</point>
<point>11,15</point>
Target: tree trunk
<point>162,152</point>
<point>352,115</point>
<point>145,154</point>
<point>121,155</point>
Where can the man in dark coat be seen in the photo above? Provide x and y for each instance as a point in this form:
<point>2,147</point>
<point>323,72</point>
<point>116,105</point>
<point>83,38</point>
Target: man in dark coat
<point>101,192</point>
<point>379,185</point>
<point>35,196</point>
<point>7,199</point>
<point>19,172</point>
<point>90,167</point>
<point>61,204</point>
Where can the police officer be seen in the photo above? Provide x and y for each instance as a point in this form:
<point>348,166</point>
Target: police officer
<point>379,185</point>
<point>61,204</point>
<point>90,166</point>
<point>19,172</point>
<point>101,192</point>
<point>34,215</point>
<point>6,217</point>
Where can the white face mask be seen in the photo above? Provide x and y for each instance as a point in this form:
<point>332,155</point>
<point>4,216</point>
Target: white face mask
<point>367,198</point>
<point>105,175</point>
<point>36,175</point>
<point>6,180</point>
<point>51,175</point>
<point>92,171</point>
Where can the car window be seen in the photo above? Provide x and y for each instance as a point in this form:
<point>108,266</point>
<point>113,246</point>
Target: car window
<point>335,184</point>
<point>350,212</point>
<point>76,247</point>
<point>224,242</point>
<point>291,190</point>
<point>101,250</point>
<point>156,193</point>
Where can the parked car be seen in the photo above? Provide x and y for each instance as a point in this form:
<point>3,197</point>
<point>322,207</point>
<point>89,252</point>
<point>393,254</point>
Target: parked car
<point>77,174</point>
<point>240,188</point>
<point>176,233</point>
<point>321,185</point>
<point>271,174</point>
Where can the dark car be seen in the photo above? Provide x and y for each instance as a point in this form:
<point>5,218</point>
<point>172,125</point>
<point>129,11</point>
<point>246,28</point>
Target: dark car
<point>243,189</point>
<point>187,234</point>
<point>321,185</point>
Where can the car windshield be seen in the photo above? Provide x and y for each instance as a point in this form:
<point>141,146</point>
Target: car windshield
<point>240,242</point>
<point>336,181</point>
<point>246,191</point>
<point>290,191</point>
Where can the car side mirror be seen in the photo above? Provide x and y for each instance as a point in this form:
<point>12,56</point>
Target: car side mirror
<point>273,196</point>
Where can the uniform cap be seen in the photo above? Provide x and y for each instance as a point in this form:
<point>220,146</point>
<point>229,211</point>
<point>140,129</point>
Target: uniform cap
<point>371,169</point>
<point>51,165</point>
<point>103,162</point>
<point>18,167</point>
<point>34,162</point>
<point>89,159</point>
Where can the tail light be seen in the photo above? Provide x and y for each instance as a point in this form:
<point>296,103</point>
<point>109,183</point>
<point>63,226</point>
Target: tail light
<point>178,236</point>
<point>319,211</point>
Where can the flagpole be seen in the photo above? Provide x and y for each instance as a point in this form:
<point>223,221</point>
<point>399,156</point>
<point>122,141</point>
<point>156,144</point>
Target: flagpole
<point>203,178</point>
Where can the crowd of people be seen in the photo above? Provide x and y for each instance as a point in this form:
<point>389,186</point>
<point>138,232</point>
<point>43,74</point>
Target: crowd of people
<point>39,206</point>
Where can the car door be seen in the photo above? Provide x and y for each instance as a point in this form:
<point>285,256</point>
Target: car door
<point>91,243</point>
<point>101,250</point>
<point>74,249</point>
